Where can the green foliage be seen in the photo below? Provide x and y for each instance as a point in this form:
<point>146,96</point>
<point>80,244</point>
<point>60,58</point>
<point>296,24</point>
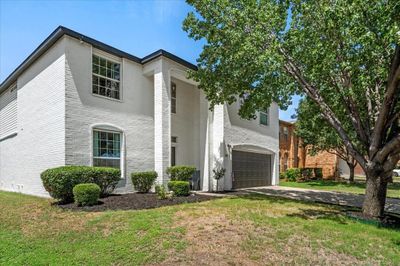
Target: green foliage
<point>86,194</point>
<point>293,174</point>
<point>256,52</point>
<point>180,188</point>
<point>60,181</point>
<point>306,173</point>
<point>181,172</point>
<point>345,56</point>
<point>282,175</point>
<point>219,173</point>
<point>143,181</point>
<point>161,192</point>
<point>318,173</point>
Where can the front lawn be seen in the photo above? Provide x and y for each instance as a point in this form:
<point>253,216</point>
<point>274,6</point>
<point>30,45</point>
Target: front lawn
<point>247,230</point>
<point>329,185</point>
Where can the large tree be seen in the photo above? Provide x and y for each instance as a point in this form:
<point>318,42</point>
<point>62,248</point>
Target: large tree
<point>344,55</point>
<point>318,136</point>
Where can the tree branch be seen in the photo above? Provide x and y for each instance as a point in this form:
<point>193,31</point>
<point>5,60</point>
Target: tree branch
<point>328,114</point>
<point>392,89</point>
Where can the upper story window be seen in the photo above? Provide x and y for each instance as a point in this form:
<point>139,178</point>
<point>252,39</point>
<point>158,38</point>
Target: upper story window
<point>264,118</point>
<point>106,77</point>
<point>285,133</point>
<point>173,98</point>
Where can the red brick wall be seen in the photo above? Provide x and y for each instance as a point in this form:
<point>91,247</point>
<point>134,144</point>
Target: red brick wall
<point>290,148</point>
<point>325,160</point>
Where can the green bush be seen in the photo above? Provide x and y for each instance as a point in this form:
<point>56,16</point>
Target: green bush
<point>143,181</point>
<point>60,181</point>
<point>161,192</point>
<point>282,175</point>
<point>86,194</point>
<point>293,174</point>
<point>181,172</point>
<point>318,173</point>
<point>307,173</point>
<point>180,188</point>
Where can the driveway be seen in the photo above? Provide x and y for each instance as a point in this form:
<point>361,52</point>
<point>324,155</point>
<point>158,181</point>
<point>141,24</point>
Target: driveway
<point>337,198</point>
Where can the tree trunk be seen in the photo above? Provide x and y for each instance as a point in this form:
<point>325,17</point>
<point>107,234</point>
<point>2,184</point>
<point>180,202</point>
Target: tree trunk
<point>351,176</point>
<point>375,196</point>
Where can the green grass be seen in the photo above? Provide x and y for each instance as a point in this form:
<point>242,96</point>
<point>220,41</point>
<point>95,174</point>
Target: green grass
<point>328,185</point>
<point>243,230</point>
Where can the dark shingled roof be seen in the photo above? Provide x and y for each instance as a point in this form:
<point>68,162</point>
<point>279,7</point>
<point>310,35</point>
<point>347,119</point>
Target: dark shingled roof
<point>61,31</point>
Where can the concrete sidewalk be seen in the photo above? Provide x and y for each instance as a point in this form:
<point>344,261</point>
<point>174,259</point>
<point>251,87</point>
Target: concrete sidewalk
<point>337,198</point>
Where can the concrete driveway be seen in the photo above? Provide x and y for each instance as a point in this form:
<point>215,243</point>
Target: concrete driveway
<point>337,198</point>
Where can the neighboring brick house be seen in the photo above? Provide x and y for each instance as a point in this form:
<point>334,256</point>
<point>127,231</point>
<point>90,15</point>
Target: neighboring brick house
<point>293,155</point>
<point>291,152</point>
<point>77,101</point>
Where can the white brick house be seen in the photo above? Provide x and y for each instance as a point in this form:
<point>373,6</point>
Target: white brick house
<point>77,101</point>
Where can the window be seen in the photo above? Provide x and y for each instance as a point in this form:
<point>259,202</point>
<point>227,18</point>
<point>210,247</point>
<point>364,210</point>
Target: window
<point>106,149</point>
<point>173,156</point>
<point>264,118</point>
<point>173,98</point>
<point>105,77</point>
<point>174,140</point>
<point>285,133</point>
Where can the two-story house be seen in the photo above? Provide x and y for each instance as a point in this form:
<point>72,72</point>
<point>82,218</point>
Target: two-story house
<point>77,101</point>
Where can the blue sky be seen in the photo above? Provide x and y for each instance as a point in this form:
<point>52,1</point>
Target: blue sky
<point>137,27</point>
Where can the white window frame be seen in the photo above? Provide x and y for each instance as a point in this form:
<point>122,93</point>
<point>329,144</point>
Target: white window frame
<point>121,151</point>
<point>259,119</point>
<point>173,98</point>
<point>174,144</point>
<point>115,60</point>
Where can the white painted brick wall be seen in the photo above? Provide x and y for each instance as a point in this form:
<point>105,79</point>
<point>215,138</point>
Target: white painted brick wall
<point>40,142</point>
<point>56,112</point>
<point>134,114</point>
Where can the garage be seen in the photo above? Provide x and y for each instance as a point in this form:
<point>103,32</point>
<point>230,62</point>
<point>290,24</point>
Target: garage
<point>251,169</point>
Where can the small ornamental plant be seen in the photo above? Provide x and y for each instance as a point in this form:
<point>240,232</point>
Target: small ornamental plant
<point>86,194</point>
<point>219,172</point>
<point>161,192</point>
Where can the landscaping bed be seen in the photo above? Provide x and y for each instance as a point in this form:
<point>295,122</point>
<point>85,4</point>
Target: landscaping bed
<point>135,201</point>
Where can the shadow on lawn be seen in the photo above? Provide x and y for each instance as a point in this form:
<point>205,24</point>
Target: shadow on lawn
<point>337,214</point>
<point>333,184</point>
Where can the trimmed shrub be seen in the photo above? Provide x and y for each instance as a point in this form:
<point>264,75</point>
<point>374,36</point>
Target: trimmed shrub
<point>106,178</point>
<point>307,173</point>
<point>143,181</point>
<point>181,172</point>
<point>282,175</point>
<point>161,192</point>
<point>318,173</point>
<point>60,181</point>
<point>293,174</point>
<point>180,188</point>
<point>86,194</point>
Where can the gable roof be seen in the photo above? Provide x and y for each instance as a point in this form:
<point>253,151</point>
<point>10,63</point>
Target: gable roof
<point>61,31</point>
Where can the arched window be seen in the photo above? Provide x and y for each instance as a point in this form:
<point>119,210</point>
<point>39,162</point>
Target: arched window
<point>107,148</point>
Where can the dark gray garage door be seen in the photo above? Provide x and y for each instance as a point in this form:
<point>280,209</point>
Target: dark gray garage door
<point>251,169</point>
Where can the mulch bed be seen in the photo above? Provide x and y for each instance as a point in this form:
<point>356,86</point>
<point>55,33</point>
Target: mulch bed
<point>135,201</point>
